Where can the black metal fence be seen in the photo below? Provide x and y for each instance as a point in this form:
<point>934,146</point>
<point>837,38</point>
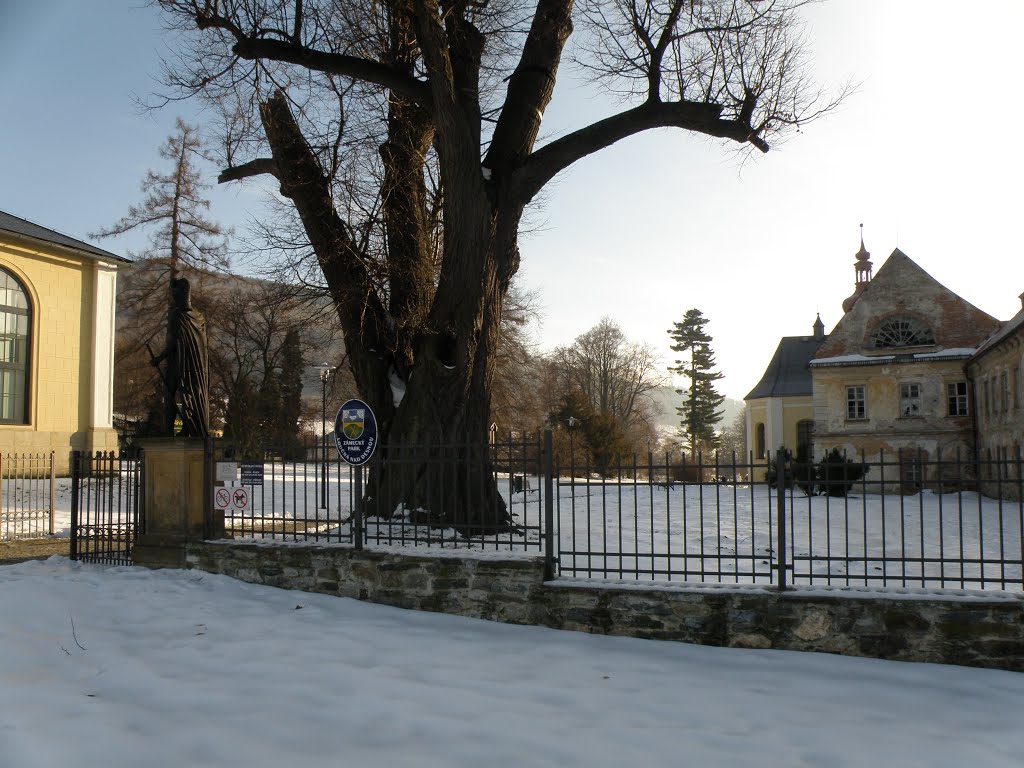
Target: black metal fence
<point>317,497</point>
<point>897,521</point>
<point>107,514</point>
<point>27,485</point>
<point>900,520</point>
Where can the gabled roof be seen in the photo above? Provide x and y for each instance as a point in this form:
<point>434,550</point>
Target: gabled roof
<point>788,374</point>
<point>1006,329</point>
<point>24,229</point>
<point>903,287</point>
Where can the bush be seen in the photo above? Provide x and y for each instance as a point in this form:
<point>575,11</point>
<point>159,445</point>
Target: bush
<point>836,474</point>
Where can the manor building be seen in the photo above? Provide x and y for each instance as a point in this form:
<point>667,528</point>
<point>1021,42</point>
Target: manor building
<point>911,370</point>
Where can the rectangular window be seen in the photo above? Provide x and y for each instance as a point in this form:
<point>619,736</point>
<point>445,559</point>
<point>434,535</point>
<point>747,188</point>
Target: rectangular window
<point>856,403</point>
<point>910,400</point>
<point>956,398</point>
<point>1016,387</point>
<point>1004,391</point>
<point>986,387</point>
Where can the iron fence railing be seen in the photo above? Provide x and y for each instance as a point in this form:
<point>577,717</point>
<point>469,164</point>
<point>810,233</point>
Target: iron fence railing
<point>107,506</point>
<point>27,485</point>
<point>321,498</point>
<point>898,520</point>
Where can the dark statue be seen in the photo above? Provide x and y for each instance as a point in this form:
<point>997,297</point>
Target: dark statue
<point>186,376</point>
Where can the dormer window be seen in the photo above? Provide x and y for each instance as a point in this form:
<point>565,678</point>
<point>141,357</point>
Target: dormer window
<point>903,331</point>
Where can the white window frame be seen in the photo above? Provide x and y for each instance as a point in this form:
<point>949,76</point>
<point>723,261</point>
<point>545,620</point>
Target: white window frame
<point>856,395</point>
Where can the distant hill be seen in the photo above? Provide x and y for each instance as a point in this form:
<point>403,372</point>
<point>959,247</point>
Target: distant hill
<point>668,400</point>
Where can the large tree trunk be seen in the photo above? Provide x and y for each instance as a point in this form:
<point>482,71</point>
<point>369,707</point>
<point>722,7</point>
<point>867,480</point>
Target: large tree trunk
<point>435,462</point>
<point>426,374</point>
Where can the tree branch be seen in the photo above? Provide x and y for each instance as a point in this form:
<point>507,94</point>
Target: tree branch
<point>698,117</point>
<point>530,86</point>
<point>253,168</point>
<point>335,64</point>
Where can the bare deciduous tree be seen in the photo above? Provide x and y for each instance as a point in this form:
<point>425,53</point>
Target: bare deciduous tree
<point>405,134</point>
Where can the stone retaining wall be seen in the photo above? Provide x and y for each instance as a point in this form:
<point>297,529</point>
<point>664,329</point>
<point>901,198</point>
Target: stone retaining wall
<point>970,629</point>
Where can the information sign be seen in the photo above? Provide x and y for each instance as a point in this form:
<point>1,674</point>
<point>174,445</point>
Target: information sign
<point>252,473</point>
<point>355,432</point>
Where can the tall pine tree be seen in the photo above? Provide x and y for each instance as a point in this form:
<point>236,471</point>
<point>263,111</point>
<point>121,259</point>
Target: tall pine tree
<point>701,402</point>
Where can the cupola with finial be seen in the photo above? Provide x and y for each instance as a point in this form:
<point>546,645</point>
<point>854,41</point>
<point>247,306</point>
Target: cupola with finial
<point>862,271</point>
<point>818,328</point>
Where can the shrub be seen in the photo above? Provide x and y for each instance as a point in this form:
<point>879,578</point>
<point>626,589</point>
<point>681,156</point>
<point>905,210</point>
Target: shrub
<point>837,474</point>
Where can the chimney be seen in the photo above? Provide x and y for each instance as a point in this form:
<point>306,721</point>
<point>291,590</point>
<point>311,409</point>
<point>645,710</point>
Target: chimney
<point>1022,301</point>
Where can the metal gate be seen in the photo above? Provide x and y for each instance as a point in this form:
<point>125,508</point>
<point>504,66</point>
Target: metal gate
<point>106,506</point>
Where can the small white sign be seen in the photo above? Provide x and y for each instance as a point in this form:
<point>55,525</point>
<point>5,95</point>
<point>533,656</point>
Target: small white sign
<point>227,471</point>
<point>222,498</point>
<point>239,497</point>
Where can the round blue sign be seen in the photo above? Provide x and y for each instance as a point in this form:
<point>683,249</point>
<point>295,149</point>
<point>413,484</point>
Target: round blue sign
<point>355,432</point>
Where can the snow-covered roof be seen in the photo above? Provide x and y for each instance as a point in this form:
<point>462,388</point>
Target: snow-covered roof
<point>957,353</point>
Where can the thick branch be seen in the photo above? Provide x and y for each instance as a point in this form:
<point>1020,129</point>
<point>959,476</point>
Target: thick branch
<point>255,167</point>
<point>530,86</point>
<point>360,310</point>
<point>335,64</point>
<point>698,117</point>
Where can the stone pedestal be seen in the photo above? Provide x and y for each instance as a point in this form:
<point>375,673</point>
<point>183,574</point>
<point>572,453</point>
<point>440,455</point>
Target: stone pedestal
<point>175,490</point>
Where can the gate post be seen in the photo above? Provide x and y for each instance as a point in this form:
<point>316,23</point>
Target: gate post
<point>780,479</point>
<point>76,470</point>
<point>549,509</point>
<point>175,490</point>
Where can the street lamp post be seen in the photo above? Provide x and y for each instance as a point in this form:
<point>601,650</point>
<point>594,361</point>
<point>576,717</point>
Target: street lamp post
<point>325,374</point>
<point>572,453</point>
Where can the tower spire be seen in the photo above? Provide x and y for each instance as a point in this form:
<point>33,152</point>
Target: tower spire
<point>862,273</point>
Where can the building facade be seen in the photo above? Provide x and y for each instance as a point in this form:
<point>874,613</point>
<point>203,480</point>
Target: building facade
<point>57,302</point>
<point>780,409</point>
<point>912,374</point>
<point>995,373</point>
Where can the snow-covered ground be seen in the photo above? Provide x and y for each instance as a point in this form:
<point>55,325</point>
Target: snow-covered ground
<point>122,667</point>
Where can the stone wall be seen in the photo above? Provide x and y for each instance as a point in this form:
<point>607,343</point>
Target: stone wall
<point>969,629</point>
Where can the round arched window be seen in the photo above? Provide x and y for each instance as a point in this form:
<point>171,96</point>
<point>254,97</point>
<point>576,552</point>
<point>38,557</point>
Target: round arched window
<point>15,326</point>
<point>903,331</point>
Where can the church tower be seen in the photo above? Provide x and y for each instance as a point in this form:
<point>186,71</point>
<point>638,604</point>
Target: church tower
<point>862,272</point>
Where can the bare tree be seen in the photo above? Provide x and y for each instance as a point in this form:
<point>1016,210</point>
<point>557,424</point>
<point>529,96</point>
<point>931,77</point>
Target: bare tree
<point>173,212</point>
<point>613,378</point>
<point>405,134</point>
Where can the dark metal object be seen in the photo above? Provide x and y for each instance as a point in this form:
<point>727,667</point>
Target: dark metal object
<point>107,514</point>
<point>186,376</point>
<point>679,519</point>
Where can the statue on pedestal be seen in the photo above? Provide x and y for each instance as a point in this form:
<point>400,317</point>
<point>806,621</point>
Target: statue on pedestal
<point>186,376</point>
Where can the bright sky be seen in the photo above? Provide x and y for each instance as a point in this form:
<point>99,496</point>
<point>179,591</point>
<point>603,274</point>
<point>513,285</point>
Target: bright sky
<point>122,667</point>
<point>924,155</point>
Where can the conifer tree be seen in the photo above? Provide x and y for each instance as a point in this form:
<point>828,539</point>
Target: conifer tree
<point>700,410</point>
<point>173,212</point>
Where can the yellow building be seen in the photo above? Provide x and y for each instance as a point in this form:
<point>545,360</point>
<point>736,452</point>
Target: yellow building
<point>780,409</point>
<point>57,301</point>
<point>890,380</point>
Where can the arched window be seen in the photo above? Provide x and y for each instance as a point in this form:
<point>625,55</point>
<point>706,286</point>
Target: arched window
<point>760,441</point>
<point>15,326</point>
<point>804,439</point>
<point>902,331</point>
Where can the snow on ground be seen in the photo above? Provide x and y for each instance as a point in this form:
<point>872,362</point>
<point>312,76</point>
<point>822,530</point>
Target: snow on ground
<point>182,668</point>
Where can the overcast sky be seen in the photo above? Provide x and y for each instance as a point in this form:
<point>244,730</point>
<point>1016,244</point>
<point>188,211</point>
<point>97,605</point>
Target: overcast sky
<point>924,154</point>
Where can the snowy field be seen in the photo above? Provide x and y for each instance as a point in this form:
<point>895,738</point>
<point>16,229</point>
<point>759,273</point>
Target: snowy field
<point>122,667</point>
